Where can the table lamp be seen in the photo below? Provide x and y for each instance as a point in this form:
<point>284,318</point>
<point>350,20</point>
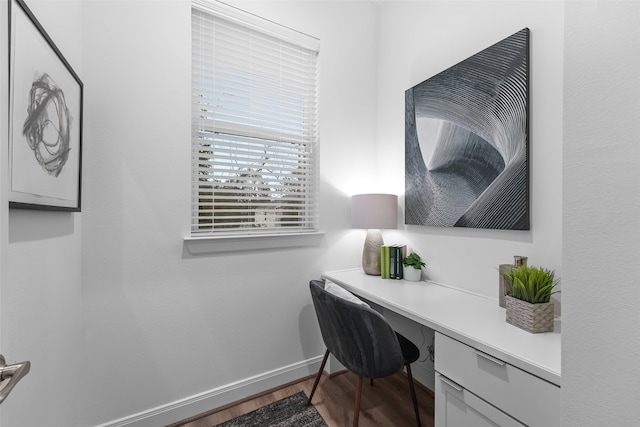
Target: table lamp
<point>373,212</point>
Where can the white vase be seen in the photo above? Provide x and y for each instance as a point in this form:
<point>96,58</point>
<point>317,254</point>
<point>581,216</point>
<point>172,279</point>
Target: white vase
<point>411,274</point>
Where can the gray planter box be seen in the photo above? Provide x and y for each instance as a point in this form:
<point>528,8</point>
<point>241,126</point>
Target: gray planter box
<point>532,318</point>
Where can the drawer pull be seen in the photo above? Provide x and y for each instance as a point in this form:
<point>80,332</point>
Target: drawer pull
<point>490,358</point>
<point>451,383</point>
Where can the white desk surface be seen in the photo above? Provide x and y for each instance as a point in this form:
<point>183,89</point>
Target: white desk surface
<point>475,320</point>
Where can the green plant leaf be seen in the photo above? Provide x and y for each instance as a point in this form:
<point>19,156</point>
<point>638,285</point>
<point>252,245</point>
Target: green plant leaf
<point>543,294</point>
<point>532,284</point>
<point>413,260</point>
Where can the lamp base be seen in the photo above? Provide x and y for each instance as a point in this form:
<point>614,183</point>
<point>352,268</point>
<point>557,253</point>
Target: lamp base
<point>371,252</point>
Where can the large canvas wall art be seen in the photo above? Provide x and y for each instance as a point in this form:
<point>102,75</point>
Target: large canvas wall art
<point>45,145</point>
<point>466,142</point>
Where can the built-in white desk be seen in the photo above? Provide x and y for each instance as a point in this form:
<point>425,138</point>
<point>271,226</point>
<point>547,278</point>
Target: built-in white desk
<point>465,321</point>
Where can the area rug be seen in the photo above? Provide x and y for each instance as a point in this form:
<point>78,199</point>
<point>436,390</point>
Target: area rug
<point>291,411</point>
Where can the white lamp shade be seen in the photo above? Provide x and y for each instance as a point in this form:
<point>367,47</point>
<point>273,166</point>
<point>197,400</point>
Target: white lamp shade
<point>374,211</point>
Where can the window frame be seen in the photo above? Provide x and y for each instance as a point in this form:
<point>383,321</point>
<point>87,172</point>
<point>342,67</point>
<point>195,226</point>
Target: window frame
<point>199,242</point>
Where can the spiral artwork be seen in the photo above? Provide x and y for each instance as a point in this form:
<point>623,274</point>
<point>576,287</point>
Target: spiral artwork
<point>466,142</point>
<point>47,127</point>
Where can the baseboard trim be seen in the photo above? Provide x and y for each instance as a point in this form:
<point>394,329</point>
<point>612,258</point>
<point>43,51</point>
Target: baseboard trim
<point>200,403</point>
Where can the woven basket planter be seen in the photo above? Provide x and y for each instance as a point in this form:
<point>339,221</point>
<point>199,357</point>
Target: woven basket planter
<point>532,318</point>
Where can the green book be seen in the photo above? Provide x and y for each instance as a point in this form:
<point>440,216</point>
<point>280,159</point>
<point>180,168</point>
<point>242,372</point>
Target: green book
<point>384,262</point>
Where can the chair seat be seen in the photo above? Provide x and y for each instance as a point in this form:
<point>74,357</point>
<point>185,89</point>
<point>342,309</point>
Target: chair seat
<point>362,340</point>
<point>410,352</point>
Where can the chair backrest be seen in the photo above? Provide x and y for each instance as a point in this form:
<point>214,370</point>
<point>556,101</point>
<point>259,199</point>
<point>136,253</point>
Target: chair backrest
<point>358,336</point>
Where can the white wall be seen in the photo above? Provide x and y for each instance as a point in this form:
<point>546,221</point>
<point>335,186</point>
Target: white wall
<point>160,324</point>
<point>4,210</point>
<point>420,39</point>
<point>601,174</point>
<point>417,40</point>
<point>41,286</point>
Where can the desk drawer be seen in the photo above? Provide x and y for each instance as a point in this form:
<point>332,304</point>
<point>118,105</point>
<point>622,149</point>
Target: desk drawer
<point>456,407</point>
<point>531,400</point>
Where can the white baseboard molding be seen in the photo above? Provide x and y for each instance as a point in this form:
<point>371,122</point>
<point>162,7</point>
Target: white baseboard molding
<point>217,397</point>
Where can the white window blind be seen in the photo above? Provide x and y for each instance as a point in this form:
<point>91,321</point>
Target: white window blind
<point>254,125</point>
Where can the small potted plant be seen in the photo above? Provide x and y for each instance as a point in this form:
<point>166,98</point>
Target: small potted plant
<point>528,303</point>
<point>412,267</point>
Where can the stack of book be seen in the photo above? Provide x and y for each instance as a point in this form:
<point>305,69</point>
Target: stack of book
<point>391,257</point>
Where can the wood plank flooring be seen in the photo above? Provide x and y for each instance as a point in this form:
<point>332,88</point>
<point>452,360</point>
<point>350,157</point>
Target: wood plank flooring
<point>387,403</point>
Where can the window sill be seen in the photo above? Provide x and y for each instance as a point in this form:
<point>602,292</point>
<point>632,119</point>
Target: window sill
<point>220,244</point>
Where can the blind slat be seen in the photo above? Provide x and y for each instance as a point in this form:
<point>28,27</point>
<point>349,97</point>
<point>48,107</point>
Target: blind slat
<point>254,126</point>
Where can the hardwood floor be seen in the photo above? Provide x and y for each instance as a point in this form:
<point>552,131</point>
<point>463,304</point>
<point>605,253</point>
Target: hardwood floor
<point>387,403</point>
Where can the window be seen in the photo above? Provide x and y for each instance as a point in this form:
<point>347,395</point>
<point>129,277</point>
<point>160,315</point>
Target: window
<point>254,125</point>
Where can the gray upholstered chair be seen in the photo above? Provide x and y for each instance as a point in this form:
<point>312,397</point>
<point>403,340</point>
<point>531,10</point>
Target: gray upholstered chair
<point>362,340</point>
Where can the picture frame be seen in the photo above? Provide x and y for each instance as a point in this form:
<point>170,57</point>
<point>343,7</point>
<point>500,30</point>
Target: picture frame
<point>45,119</point>
<point>467,142</point>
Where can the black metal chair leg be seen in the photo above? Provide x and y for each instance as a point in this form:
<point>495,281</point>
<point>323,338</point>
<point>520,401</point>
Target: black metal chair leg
<point>315,384</point>
<point>413,394</point>
<point>356,410</point>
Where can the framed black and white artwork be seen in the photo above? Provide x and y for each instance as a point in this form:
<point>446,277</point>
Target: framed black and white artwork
<point>467,142</point>
<point>45,142</point>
